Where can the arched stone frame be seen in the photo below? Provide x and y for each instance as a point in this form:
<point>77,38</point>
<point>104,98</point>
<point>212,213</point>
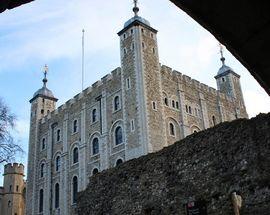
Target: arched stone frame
<point>44,141</point>
<point>72,125</point>
<point>91,114</point>
<point>54,196</point>
<point>112,132</point>
<point>42,162</point>
<point>177,130</point>
<point>71,188</point>
<point>120,102</point>
<point>60,135</point>
<point>56,154</point>
<point>117,159</point>
<point>90,142</point>
<point>72,146</point>
<point>194,128</point>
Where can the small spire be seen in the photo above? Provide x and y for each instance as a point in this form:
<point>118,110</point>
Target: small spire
<point>221,53</point>
<point>46,69</point>
<point>135,8</point>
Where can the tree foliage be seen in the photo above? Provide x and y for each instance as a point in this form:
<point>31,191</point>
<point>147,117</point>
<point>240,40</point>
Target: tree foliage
<point>8,146</point>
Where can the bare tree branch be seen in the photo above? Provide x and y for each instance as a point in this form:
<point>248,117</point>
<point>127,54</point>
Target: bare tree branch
<point>8,146</point>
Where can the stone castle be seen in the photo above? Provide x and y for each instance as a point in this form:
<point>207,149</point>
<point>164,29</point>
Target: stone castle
<point>12,194</point>
<point>137,109</point>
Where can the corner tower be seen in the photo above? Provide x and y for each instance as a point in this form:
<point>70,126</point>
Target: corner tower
<point>141,78</point>
<point>14,190</point>
<point>42,103</point>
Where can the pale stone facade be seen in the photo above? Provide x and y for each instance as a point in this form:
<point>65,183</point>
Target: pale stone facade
<point>135,110</point>
<point>12,194</point>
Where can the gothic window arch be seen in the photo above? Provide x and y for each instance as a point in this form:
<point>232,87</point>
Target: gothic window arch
<point>75,155</point>
<point>118,134</point>
<point>41,200</point>
<point>74,189</point>
<point>56,195</point>
<point>57,163</point>
<point>116,103</point>
<point>58,135</point>
<point>172,129</point>
<point>94,115</point>
<point>95,146</point>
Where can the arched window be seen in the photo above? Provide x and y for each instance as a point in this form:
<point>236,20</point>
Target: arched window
<point>9,203</point>
<point>172,131</point>
<point>94,115</point>
<point>119,161</point>
<point>58,135</point>
<point>42,170</point>
<point>75,155</point>
<point>186,108</point>
<point>41,201</point>
<point>56,195</point>
<point>177,105</point>
<point>57,163</point>
<point>118,136</point>
<point>74,189</point>
<point>95,171</point>
<point>75,126</point>
<point>116,103</point>
<point>214,120</point>
<point>95,146</point>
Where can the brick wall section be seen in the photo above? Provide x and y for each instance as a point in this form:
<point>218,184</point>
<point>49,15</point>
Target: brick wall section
<point>208,165</point>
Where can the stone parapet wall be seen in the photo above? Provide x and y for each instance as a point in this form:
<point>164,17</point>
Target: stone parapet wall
<point>208,166</point>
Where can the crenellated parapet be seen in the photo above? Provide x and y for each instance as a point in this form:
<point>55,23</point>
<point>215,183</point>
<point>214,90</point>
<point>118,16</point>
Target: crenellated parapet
<point>14,168</point>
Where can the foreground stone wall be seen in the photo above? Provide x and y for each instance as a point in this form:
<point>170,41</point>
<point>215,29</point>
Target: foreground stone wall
<point>208,166</point>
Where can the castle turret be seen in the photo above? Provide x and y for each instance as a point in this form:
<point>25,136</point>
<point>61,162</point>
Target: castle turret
<point>13,201</point>
<point>228,82</point>
<point>143,112</point>
<point>42,103</point>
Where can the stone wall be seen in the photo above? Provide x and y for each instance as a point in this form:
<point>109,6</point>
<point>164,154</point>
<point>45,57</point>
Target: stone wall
<point>209,166</point>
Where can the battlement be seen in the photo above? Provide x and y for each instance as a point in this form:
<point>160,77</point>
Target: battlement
<point>102,82</point>
<point>14,168</point>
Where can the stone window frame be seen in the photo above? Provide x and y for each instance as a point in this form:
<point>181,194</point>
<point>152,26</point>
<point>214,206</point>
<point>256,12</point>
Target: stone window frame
<point>56,155</point>
<point>72,126</point>
<point>92,146</point>
<point>113,103</point>
<point>72,189</point>
<point>92,114</point>
<point>213,120</point>
<point>114,135</point>
<point>42,169</point>
<point>71,155</point>
<point>172,129</point>
<point>194,128</point>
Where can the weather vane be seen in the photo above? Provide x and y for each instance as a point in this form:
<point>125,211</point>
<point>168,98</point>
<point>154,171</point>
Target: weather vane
<point>46,69</point>
<point>221,53</point>
<point>135,8</point>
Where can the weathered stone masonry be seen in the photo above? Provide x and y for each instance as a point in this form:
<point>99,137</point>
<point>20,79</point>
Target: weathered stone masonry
<point>209,165</point>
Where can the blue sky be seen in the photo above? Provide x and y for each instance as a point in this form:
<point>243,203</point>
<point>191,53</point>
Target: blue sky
<point>49,32</point>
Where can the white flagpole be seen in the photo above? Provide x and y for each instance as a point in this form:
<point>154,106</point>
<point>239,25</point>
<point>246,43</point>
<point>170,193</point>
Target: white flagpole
<point>82,58</point>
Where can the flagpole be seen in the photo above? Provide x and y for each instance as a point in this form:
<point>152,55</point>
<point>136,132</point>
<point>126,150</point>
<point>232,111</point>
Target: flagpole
<point>82,58</point>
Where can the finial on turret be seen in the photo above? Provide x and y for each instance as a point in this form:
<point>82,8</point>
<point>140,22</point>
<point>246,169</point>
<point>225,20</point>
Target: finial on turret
<point>135,8</point>
<point>221,53</point>
<point>46,69</point>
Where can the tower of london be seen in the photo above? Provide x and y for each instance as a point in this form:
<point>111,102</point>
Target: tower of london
<point>138,108</point>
